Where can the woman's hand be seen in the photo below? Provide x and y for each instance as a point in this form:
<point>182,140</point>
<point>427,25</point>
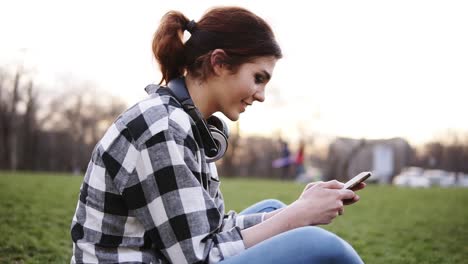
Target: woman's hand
<point>311,184</point>
<point>358,187</point>
<point>320,202</point>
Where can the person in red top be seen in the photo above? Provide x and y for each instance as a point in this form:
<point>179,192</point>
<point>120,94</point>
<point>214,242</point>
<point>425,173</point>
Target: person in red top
<point>299,161</point>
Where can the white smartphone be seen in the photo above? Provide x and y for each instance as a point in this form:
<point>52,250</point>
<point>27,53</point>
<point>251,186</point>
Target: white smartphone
<point>357,179</point>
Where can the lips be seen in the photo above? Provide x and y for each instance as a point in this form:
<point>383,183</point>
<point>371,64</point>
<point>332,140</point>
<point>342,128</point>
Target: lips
<point>244,105</point>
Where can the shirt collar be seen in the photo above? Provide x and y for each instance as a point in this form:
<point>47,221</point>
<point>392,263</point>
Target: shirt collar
<point>151,88</point>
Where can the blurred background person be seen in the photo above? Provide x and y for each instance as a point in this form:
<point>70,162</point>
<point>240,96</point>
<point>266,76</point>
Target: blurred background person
<point>299,160</point>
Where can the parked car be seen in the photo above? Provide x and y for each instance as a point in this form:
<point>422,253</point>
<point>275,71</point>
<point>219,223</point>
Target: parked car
<point>419,177</point>
<point>412,177</point>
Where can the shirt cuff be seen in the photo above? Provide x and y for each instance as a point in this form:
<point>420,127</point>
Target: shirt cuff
<point>246,221</point>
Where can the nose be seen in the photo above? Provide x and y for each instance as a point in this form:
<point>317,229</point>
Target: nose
<point>259,94</point>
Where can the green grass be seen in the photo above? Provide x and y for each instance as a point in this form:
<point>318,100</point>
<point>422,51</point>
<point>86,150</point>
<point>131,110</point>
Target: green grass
<point>388,225</point>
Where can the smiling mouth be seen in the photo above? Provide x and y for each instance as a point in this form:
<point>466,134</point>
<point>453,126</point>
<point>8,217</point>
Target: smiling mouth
<point>244,106</point>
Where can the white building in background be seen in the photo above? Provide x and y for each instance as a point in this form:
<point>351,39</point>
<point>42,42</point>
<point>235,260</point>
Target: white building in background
<point>385,158</point>
<point>383,162</point>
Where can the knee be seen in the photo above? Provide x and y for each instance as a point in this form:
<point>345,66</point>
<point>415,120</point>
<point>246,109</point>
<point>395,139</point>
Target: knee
<point>317,236</point>
<point>325,245</point>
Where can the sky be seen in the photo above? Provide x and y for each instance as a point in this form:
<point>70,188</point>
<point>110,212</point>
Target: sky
<point>361,69</point>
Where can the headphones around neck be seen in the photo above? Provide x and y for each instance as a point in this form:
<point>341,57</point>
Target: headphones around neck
<point>214,132</point>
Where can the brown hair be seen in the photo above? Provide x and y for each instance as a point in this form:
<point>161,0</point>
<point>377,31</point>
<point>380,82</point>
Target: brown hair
<point>240,33</point>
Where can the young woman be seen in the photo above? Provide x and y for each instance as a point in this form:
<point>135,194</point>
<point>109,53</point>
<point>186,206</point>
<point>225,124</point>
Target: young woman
<point>151,191</point>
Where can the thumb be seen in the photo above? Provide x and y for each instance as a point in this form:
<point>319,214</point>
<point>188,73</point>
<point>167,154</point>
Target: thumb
<point>332,184</point>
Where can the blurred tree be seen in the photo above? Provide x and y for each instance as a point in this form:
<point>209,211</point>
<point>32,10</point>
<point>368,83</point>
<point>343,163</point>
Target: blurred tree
<point>252,157</point>
<point>447,152</point>
<point>58,135</point>
<point>226,164</point>
<point>29,129</point>
<point>9,100</point>
<point>80,116</point>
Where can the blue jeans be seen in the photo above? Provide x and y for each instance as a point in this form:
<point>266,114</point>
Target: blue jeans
<point>301,245</point>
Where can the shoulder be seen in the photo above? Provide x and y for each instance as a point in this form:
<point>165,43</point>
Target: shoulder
<point>158,113</point>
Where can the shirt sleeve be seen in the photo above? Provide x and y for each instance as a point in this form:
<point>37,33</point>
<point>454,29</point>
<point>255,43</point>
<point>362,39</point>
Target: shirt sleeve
<point>179,216</point>
<point>232,219</point>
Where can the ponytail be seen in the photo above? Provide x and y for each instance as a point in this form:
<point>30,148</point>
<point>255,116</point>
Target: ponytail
<point>239,32</point>
<point>168,48</point>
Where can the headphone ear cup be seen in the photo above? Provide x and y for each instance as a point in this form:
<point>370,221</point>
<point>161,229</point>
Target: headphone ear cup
<point>218,123</point>
<point>224,128</point>
<point>220,133</point>
<point>221,142</point>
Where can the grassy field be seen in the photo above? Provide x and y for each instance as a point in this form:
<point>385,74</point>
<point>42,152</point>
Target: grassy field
<point>388,225</point>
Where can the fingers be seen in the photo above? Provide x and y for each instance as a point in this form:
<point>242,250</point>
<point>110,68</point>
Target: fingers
<point>308,186</point>
<point>346,194</point>
<point>351,201</point>
<point>334,184</point>
<point>339,207</point>
<point>358,187</point>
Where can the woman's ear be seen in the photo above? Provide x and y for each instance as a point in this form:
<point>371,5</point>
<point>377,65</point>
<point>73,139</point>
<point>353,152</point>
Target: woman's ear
<point>217,59</point>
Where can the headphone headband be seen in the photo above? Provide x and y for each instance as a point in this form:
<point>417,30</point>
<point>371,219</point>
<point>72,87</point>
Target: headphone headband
<point>180,91</point>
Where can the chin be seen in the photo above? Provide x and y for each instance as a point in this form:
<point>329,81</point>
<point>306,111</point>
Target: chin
<point>232,116</point>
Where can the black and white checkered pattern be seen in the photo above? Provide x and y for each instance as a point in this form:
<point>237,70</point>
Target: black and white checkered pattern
<point>149,196</point>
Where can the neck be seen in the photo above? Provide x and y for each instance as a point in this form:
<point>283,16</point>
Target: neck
<point>200,95</point>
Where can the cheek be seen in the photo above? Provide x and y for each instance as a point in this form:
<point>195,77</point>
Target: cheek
<point>241,88</point>
<point>243,92</point>
<point>247,88</point>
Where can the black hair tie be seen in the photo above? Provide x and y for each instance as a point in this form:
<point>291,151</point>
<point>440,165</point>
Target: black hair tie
<point>191,26</point>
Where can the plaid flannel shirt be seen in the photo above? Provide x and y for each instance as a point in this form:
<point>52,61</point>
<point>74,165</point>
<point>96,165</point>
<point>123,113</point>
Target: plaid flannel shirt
<point>149,196</point>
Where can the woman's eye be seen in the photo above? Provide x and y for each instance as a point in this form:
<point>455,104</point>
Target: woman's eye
<point>259,78</point>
